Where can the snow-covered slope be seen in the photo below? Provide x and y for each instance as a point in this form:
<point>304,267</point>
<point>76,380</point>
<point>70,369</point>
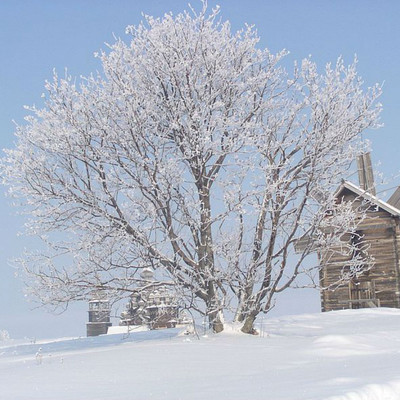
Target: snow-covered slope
<point>353,354</point>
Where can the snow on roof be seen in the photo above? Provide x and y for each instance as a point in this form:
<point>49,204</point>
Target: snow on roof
<point>370,197</point>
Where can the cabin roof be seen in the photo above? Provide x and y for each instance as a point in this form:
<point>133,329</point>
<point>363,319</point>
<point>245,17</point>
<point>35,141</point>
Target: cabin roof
<point>368,196</point>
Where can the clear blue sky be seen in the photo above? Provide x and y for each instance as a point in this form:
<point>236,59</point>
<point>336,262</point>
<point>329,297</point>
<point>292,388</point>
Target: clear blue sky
<point>37,36</point>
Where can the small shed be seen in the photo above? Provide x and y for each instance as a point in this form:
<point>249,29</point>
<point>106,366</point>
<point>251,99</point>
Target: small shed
<point>377,235</point>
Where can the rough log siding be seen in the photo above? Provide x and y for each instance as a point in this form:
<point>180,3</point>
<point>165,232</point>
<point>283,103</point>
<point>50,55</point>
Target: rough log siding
<point>381,234</point>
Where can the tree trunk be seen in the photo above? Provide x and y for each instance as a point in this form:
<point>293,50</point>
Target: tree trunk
<point>241,314</point>
<point>244,307</point>
<point>206,256</point>
<point>214,311</point>
<point>248,326</point>
<point>216,323</point>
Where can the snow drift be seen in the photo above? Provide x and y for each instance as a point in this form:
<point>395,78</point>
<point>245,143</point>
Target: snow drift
<point>342,355</point>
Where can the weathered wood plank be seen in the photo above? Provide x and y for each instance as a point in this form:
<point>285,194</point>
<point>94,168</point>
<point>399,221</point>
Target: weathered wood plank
<point>394,199</point>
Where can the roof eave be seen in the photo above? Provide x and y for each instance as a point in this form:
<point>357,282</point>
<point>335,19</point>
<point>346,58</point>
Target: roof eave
<point>366,195</point>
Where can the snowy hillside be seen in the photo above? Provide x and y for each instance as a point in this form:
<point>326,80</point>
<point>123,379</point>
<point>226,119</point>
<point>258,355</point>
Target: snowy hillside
<point>353,354</point>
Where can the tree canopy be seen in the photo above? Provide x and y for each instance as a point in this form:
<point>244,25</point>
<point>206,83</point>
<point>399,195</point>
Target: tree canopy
<point>194,153</point>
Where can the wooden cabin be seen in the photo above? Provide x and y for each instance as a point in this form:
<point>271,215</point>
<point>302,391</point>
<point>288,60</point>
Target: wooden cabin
<point>378,236</point>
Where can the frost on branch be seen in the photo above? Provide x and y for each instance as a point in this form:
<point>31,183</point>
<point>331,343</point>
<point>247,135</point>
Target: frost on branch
<point>194,153</point>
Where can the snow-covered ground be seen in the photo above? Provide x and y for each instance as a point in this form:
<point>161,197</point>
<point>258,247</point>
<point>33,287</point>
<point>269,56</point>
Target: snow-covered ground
<point>352,354</point>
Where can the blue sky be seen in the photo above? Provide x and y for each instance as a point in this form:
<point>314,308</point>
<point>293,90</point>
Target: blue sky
<point>38,36</point>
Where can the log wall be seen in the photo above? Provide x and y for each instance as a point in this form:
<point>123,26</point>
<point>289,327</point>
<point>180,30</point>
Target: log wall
<point>381,234</point>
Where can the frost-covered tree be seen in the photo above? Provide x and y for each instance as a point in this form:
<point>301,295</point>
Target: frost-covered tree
<point>195,153</point>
